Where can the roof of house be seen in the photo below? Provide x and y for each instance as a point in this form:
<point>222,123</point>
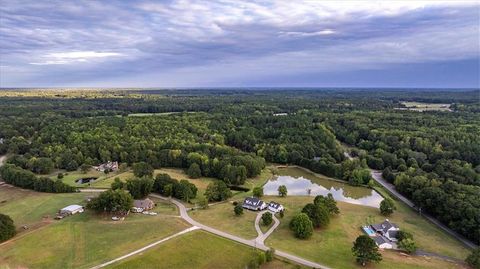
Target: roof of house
<point>392,234</point>
<point>72,208</point>
<point>145,203</point>
<point>384,226</point>
<point>380,240</point>
<point>274,205</point>
<point>252,201</point>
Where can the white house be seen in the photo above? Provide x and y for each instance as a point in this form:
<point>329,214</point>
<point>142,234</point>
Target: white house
<point>275,207</point>
<point>71,209</point>
<point>254,203</point>
<point>382,242</point>
<point>386,229</point>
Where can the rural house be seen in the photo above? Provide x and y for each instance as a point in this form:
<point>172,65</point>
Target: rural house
<point>71,209</point>
<point>142,205</point>
<point>275,207</point>
<point>111,166</point>
<point>254,203</point>
<point>387,229</point>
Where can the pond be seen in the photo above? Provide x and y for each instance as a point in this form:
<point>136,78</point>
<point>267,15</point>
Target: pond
<point>85,180</point>
<point>303,183</point>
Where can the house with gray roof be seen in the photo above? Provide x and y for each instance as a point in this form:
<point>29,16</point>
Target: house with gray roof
<point>253,203</point>
<point>386,229</point>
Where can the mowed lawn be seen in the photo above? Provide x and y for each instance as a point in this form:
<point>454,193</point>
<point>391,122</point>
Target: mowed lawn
<point>332,245</point>
<point>78,241</point>
<point>31,208</point>
<point>197,249</point>
<point>222,217</point>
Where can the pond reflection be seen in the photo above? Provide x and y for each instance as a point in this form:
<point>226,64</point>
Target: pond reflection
<point>302,183</point>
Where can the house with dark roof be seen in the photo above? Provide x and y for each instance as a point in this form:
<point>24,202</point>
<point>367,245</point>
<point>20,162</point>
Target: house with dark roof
<point>382,242</point>
<point>253,203</point>
<point>386,229</point>
<point>275,207</point>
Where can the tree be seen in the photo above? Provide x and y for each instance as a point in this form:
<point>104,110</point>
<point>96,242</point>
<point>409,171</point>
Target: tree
<point>403,235</point>
<point>282,190</point>
<point>365,250</point>
<point>139,188</point>
<point>269,254</point>
<point>474,259</point>
<point>194,171</point>
<point>217,191</point>
<point>161,181</point>
<point>7,228</point>
<point>203,203</point>
<point>238,209</point>
<point>115,201</point>
<point>318,214</point>
<point>360,176</point>
<point>387,206</point>
<point>168,190</point>
<point>117,184</point>
<point>85,168</point>
<point>258,192</point>
<point>301,226</point>
<point>328,202</point>
<point>184,190</point>
<point>142,169</point>
<point>267,218</point>
<point>408,245</point>
<point>60,175</point>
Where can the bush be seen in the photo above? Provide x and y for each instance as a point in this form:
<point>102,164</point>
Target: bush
<point>270,254</point>
<point>142,169</point>
<point>238,209</point>
<point>139,188</point>
<point>387,206</point>
<point>403,235</point>
<point>318,214</point>
<point>267,218</point>
<point>7,228</point>
<point>282,190</point>
<point>301,226</point>
<point>117,184</point>
<point>474,259</point>
<point>60,175</point>
<point>408,245</point>
<point>194,171</point>
<point>217,191</point>
<point>328,202</point>
<point>258,192</point>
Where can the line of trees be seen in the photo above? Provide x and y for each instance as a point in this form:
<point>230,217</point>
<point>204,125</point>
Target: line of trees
<point>22,178</point>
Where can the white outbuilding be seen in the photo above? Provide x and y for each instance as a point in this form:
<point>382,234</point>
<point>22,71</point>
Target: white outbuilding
<point>71,209</point>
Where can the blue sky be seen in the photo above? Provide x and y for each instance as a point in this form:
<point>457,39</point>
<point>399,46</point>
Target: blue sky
<point>233,43</point>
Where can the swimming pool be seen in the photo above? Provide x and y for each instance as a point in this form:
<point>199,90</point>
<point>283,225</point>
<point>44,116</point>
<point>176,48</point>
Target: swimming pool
<point>368,230</point>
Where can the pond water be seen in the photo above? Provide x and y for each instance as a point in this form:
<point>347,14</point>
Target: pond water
<point>85,180</point>
<point>302,183</point>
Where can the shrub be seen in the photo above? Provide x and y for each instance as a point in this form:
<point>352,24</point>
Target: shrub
<point>267,218</point>
<point>387,206</point>
<point>301,226</point>
<point>7,228</point>
<point>238,209</point>
<point>258,192</point>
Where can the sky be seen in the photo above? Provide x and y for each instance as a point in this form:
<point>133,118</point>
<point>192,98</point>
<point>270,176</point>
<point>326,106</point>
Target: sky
<point>231,43</point>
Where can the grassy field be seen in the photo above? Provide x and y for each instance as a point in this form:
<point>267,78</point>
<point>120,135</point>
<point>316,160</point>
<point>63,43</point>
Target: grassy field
<point>417,106</point>
<point>222,217</point>
<point>332,245</point>
<point>70,177</point>
<point>31,208</point>
<point>86,239</point>
<point>193,250</point>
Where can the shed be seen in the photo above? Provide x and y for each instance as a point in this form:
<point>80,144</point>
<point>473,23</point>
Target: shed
<point>71,209</point>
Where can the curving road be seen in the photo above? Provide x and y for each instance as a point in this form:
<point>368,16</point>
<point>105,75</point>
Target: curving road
<point>253,243</point>
<point>377,176</point>
<point>263,236</point>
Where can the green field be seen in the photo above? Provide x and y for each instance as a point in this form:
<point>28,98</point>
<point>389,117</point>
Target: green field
<point>332,245</point>
<point>417,106</point>
<point>196,249</point>
<point>222,217</point>
<point>71,176</point>
<point>78,241</point>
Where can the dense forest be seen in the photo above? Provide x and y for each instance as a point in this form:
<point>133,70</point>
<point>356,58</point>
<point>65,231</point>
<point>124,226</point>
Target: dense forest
<point>432,157</point>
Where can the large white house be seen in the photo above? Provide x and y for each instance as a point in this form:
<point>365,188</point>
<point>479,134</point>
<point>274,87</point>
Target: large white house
<point>254,203</point>
<point>275,207</point>
<point>387,229</point>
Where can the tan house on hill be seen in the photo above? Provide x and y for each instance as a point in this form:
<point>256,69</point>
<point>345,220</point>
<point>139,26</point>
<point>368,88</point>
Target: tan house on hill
<point>145,204</point>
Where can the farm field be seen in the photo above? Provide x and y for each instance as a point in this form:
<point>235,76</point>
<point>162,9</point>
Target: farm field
<point>196,249</point>
<point>82,240</point>
<point>418,106</point>
<point>222,217</point>
<point>332,245</point>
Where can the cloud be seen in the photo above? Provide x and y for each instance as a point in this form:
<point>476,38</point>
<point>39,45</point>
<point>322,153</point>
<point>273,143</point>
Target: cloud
<point>74,57</point>
<point>210,42</point>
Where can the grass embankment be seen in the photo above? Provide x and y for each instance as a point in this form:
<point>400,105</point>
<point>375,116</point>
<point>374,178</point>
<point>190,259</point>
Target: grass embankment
<point>71,176</point>
<point>193,250</point>
<point>78,241</point>
<point>222,217</point>
<point>332,245</point>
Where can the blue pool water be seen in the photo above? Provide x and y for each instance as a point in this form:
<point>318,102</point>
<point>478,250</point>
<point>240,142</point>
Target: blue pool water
<point>368,230</point>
